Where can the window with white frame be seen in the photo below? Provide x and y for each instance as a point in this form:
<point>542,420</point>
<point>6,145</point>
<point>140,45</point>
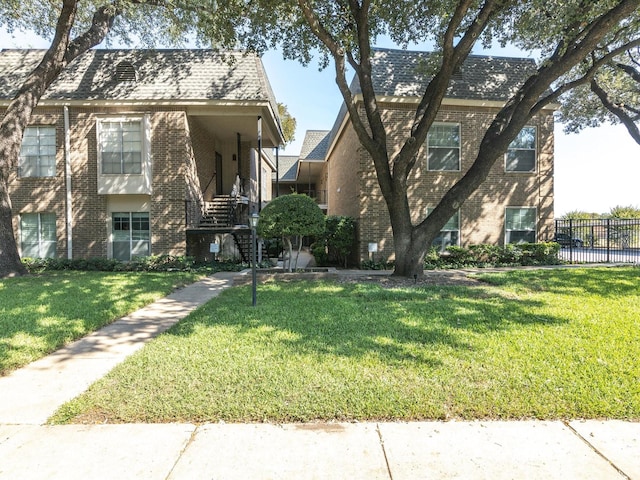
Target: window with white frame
<point>449,234</point>
<point>38,235</point>
<point>120,146</point>
<point>521,154</point>
<point>520,225</point>
<point>38,152</point>
<point>130,235</point>
<point>443,147</point>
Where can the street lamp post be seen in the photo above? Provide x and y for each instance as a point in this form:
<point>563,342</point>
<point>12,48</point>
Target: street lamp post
<point>253,222</point>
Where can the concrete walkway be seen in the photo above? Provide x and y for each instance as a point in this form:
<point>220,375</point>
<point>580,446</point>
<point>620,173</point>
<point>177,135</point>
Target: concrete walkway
<point>430,450</point>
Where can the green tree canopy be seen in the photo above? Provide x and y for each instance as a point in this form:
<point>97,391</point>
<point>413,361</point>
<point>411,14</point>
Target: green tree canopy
<point>611,96</point>
<point>291,216</point>
<point>288,122</point>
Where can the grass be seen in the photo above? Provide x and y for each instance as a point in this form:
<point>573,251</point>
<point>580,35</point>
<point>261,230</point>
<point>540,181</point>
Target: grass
<point>41,313</point>
<point>528,344</point>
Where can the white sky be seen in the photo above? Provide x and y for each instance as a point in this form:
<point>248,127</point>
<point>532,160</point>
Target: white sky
<point>595,170</point>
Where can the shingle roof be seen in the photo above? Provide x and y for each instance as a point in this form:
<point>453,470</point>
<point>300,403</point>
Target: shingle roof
<point>161,75</point>
<point>404,73</point>
<point>288,168</point>
<point>315,145</point>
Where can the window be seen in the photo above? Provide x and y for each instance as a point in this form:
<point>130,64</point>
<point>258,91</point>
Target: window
<point>520,225</point>
<point>121,147</point>
<point>443,147</point>
<point>521,155</point>
<point>130,235</point>
<point>38,152</point>
<point>450,233</point>
<point>38,235</point>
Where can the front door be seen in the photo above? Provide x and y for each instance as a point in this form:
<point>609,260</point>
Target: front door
<point>219,190</point>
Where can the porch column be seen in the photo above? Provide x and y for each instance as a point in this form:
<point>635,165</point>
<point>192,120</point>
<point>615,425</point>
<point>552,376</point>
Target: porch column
<point>259,164</point>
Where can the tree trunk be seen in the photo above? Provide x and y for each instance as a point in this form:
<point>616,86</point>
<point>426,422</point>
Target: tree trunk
<point>10,264</point>
<point>18,113</point>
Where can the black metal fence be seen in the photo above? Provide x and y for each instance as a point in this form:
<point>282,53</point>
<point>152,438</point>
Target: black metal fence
<point>599,240</point>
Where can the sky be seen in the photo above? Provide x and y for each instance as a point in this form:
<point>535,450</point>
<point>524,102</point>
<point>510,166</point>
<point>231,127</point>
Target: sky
<point>595,170</point>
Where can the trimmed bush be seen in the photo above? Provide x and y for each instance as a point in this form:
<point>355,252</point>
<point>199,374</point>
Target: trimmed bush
<point>154,263</point>
<point>545,253</point>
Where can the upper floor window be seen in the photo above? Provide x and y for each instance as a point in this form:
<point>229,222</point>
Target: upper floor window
<point>521,155</point>
<point>38,235</point>
<point>449,234</point>
<point>443,147</point>
<point>38,152</point>
<point>121,146</point>
<point>520,224</point>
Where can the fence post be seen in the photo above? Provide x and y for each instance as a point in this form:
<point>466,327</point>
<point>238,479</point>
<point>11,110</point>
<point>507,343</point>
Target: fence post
<point>608,238</point>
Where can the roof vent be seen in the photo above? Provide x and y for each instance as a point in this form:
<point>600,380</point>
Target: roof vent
<point>125,72</point>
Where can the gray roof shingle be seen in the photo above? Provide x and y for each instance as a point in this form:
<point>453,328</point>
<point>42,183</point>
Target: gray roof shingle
<point>288,168</point>
<point>161,75</point>
<point>403,73</point>
<point>315,145</point>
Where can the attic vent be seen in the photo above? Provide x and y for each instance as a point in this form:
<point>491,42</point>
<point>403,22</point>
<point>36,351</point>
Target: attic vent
<point>457,74</point>
<point>125,72</point>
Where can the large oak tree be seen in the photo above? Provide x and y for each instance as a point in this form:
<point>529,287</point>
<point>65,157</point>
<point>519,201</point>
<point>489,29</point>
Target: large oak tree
<point>575,39</point>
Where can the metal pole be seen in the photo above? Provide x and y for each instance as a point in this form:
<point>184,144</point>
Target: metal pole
<point>253,265</point>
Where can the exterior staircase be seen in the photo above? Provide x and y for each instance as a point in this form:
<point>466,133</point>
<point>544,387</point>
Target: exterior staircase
<point>243,242</point>
<point>218,212</point>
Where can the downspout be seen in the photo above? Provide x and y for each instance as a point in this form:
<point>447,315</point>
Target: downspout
<point>259,164</point>
<point>67,175</point>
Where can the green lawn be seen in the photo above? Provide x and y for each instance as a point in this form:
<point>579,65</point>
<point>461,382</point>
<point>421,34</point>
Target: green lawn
<point>526,344</point>
<point>41,313</point>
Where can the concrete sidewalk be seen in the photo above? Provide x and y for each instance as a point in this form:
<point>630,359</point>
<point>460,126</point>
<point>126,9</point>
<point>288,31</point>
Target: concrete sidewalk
<point>434,450</point>
<point>367,451</point>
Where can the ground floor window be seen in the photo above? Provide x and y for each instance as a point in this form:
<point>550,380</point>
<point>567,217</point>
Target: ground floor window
<point>520,225</point>
<point>450,233</point>
<point>130,235</point>
<point>38,235</point>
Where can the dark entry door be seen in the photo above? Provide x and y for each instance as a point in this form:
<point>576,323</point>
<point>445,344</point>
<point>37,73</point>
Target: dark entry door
<point>219,174</point>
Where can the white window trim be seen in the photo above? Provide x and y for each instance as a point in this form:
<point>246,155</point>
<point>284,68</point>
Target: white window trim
<point>111,232</point>
<point>55,155</point>
<point>535,227</point>
<point>426,144</point>
<point>126,183</point>
<point>535,155</point>
<point>39,227</point>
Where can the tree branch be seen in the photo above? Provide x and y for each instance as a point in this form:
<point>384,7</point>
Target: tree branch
<point>626,120</point>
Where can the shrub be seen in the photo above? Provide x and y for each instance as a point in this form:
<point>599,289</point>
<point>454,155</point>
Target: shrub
<point>335,245</point>
<point>494,255</point>
<point>154,263</point>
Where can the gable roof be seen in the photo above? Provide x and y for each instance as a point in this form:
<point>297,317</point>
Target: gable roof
<point>288,168</point>
<point>315,145</point>
<point>160,75</point>
<point>404,73</point>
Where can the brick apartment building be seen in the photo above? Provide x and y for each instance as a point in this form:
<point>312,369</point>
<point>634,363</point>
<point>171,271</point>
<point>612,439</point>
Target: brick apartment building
<point>514,204</point>
<point>142,152</point>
